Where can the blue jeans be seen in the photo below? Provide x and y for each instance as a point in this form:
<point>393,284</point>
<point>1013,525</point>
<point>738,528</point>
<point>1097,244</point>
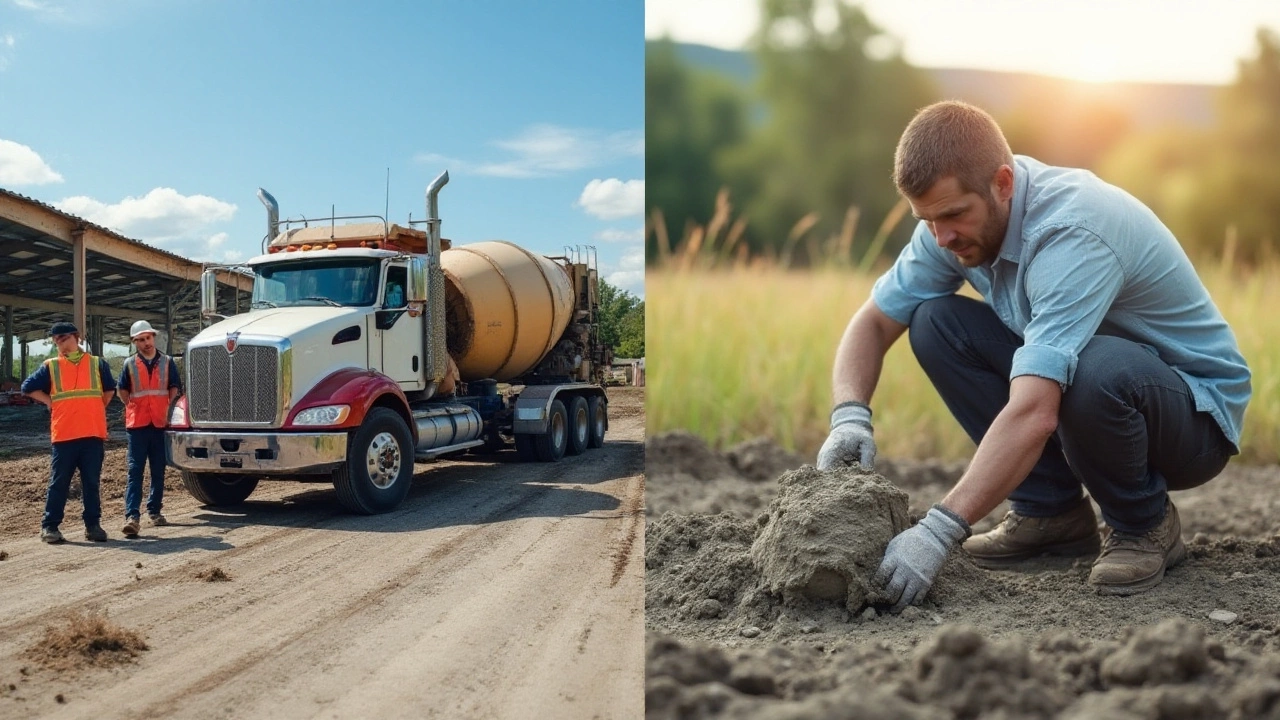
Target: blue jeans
<point>145,444</point>
<point>1128,429</point>
<point>86,455</point>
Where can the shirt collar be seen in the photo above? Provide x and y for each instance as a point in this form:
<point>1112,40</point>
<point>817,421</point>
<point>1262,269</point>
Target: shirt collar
<point>1011,248</point>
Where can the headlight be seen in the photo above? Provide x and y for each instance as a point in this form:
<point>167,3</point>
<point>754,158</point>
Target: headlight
<point>323,415</point>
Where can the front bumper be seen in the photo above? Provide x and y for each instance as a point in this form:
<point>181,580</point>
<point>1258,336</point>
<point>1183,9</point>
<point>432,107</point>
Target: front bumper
<point>256,453</point>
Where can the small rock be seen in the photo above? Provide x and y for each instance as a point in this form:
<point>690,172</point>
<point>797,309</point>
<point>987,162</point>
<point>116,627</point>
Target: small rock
<point>936,618</point>
<point>808,629</point>
<point>911,612</point>
<point>4,555</point>
<point>59,698</point>
<point>137,565</point>
<point>869,614</point>
<point>750,631</point>
<point>1226,617</point>
<point>709,608</point>
<point>1200,539</point>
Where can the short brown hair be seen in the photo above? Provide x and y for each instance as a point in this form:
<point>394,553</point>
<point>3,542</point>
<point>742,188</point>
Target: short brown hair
<point>950,139</point>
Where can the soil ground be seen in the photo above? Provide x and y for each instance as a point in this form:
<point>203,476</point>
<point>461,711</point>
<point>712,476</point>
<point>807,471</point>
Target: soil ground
<point>498,589</point>
<point>1031,642</point>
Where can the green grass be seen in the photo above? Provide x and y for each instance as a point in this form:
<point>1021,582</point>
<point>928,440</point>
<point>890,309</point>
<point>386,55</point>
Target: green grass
<point>742,352</point>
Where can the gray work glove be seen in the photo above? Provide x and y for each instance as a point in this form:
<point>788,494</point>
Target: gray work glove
<point>914,557</point>
<point>851,441</point>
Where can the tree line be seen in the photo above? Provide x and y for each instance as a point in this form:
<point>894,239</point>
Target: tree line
<point>797,164</point>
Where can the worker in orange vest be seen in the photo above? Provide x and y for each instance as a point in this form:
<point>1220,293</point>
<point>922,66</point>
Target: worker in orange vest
<point>76,387</point>
<point>148,384</point>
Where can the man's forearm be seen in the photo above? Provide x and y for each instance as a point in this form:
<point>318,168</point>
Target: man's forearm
<point>860,355</point>
<point>41,397</point>
<point>1012,446</point>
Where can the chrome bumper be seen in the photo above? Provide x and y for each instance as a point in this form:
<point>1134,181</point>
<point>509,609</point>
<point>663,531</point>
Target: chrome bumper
<point>256,453</point>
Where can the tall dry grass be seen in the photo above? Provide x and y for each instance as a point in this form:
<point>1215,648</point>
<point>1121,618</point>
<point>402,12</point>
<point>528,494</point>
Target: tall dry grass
<point>741,347</point>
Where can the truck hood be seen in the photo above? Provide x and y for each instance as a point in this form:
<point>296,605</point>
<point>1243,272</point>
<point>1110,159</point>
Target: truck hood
<point>295,323</point>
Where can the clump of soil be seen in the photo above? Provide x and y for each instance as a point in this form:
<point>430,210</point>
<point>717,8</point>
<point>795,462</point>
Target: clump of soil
<point>825,534</point>
<point>761,459</point>
<point>86,638</point>
<point>215,574</point>
<point>682,453</point>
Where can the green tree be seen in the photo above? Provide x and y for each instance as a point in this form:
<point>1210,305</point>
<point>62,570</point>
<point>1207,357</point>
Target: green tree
<point>837,96</point>
<point>1218,184</point>
<point>621,321</point>
<point>691,116</point>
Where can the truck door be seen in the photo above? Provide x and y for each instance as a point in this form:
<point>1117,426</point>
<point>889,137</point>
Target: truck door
<point>398,335</point>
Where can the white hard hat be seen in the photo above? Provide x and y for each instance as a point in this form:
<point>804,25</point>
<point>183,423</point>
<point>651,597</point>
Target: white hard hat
<point>142,326</point>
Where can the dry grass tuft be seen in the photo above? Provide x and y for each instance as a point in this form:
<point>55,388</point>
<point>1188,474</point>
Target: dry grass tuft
<point>213,575</point>
<point>85,638</point>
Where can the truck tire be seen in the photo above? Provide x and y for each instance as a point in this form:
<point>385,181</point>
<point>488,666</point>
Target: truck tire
<point>579,426</point>
<point>524,447</point>
<point>598,411</point>
<point>550,446</point>
<point>379,469</point>
<point>217,489</point>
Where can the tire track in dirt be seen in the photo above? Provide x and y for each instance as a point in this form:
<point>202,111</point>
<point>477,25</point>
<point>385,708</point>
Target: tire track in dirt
<point>485,532</point>
<point>633,511</point>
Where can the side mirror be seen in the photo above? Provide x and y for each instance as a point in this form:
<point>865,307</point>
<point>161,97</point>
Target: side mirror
<point>209,294</point>
<point>417,290</point>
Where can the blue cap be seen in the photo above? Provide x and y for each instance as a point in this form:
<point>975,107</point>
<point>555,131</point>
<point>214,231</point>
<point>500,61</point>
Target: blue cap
<point>63,328</point>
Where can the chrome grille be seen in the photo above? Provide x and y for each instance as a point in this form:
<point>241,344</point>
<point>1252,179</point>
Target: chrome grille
<point>239,387</point>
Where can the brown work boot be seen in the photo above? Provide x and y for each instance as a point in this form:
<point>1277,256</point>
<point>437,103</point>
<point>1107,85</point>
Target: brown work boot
<point>1135,563</point>
<point>1019,538</point>
<point>130,528</point>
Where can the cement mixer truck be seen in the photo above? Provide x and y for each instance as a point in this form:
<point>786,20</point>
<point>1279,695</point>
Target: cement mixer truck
<point>369,346</point>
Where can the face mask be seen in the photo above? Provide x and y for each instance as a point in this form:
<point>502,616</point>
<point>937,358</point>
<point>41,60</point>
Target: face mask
<point>75,356</point>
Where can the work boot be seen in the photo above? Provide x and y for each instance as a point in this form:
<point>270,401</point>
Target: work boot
<point>95,533</point>
<point>1019,538</point>
<point>1132,564</point>
<point>158,520</point>
<point>130,528</point>
<point>51,535</point>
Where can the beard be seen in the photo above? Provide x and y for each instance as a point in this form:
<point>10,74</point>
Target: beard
<point>972,252</point>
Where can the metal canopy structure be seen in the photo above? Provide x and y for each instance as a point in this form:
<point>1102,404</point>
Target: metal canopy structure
<point>56,266</point>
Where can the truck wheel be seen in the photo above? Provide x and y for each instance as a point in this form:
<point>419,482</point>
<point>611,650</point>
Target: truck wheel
<point>524,447</point>
<point>579,426</point>
<point>379,469</point>
<point>598,410</point>
<point>550,445</point>
<point>217,489</point>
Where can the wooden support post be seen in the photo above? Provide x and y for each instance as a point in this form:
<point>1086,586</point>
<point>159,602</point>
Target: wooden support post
<point>6,357</point>
<point>168,325</point>
<point>24,354</point>
<point>78,261</point>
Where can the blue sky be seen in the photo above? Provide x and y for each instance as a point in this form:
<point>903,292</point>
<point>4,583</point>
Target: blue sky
<point>161,118</point>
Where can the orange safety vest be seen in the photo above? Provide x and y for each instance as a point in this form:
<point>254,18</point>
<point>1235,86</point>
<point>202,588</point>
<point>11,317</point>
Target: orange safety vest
<point>149,399</point>
<point>76,392</point>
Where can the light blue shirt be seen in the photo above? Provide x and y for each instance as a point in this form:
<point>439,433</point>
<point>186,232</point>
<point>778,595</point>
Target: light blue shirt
<point>1081,258</point>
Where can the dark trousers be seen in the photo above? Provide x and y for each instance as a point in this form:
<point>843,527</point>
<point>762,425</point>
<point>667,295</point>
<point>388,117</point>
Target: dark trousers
<point>85,455</point>
<point>146,444</point>
<point>1128,430</point>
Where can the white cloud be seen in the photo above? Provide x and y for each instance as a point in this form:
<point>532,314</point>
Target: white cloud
<point>629,273</point>
<point>204,249</point>
<point>20,165</point>
<point>614,235</point>
<point>612,199</point>
<point>162,215</point>
<point>546,150</point>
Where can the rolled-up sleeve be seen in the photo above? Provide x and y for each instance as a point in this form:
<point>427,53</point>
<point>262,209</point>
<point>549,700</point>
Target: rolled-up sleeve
<point>1071,283</point>
<point>920,273</point>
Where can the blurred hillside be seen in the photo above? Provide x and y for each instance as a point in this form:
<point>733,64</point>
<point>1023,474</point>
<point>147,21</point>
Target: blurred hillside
<point>785,151</point>
<point>1146,105</point>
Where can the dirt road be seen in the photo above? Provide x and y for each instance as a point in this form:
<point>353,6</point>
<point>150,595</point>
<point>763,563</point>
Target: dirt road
<point>499,589</point>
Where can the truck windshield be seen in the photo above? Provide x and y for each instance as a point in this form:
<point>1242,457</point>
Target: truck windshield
<point>350,282</point>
